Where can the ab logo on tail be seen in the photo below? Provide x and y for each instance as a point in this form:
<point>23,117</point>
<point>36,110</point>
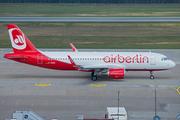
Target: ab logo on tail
<point>17,38</point>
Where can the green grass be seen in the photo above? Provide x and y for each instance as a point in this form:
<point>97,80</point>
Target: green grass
<point>98,42</point>
<point>98,35</point>
<point>109,42</point>
<point>46,10</point>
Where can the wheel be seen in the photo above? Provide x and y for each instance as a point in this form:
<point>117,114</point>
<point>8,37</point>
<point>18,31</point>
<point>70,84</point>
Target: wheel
<point>151,77</point>
<point>94,78</point>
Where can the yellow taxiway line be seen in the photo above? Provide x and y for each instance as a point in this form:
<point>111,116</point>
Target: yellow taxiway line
<point>161,52</point>
<point>177,89</point>
<point>98,85</point>
<point>41,84</point>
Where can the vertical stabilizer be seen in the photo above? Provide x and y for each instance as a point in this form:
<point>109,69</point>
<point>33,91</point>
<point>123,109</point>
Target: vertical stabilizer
<point>19,41</point>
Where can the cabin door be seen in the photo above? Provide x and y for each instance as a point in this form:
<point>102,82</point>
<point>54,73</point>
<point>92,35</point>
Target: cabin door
<point>153,60</point>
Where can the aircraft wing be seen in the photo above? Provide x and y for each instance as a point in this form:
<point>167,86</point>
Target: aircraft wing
<point>99,67</point>
<point>103,66</point>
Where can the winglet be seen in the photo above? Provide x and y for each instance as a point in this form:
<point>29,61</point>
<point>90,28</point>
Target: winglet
<point>73,48</point>
<point>72,62</point>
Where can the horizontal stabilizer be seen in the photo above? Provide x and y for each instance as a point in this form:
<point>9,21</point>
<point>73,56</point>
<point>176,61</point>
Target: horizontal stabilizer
<point>15,56</point>
<point>18,57</point>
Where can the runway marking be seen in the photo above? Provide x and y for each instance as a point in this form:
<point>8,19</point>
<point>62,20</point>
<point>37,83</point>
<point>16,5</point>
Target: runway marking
<point>40,84</point>
<point>161,52</point>
<point>177,51</point>
<point>1,51</point>
<point>177,89</point>
<point>98,85</point>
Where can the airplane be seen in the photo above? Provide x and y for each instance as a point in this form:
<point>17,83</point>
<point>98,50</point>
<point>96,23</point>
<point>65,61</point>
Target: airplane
<point>112,64</point>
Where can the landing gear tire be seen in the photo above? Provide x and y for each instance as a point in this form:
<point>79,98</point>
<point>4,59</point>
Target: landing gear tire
<point>151,77</point>
<point>93,77</point>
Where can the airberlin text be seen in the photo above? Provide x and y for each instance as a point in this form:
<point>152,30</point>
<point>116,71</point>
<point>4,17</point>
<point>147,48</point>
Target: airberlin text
<point>121,59</point>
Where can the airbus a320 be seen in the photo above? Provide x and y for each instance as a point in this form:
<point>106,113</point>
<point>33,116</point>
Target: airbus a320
<point>113,64</point>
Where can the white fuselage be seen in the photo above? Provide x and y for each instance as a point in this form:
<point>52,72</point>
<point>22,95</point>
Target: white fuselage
<point>126,60</point>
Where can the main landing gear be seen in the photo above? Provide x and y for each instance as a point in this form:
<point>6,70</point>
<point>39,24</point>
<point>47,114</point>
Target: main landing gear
<point>93,76</point>
<point>151,75</point>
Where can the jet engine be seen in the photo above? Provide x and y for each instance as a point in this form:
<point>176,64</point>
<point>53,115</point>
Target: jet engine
<point>115,73</point>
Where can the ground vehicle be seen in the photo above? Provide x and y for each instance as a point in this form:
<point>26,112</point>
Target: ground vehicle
<point>112,113</point>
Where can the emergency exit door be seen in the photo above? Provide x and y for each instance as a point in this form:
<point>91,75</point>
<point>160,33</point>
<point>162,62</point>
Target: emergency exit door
<point>153,60</point>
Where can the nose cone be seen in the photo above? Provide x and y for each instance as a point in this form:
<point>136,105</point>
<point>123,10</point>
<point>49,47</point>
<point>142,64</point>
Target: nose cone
<point>172,64</point>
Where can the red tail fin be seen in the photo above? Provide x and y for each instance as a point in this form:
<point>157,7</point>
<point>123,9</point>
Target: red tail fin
<point>19,41</point>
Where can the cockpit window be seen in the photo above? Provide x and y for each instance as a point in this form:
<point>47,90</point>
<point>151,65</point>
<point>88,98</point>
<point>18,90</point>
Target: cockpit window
<point>164,59</point>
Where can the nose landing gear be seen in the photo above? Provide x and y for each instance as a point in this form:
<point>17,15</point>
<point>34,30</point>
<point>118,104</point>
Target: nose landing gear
<point>151,75</point>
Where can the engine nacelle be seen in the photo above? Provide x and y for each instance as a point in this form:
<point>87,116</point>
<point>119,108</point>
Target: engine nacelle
<point>115,73</point>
